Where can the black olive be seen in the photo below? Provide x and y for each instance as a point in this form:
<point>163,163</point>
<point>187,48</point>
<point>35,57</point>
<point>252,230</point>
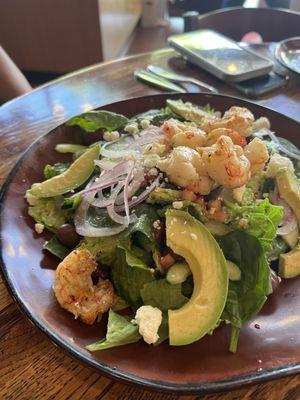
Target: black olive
<point>67,235</point>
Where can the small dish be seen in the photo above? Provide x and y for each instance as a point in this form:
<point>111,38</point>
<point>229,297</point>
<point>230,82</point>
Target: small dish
<point>287,53</point>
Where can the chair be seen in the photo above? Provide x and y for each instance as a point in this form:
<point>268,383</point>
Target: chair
<point>273,24</point>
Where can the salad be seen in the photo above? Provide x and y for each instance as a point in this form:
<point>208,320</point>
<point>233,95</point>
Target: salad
<point>173,221</point>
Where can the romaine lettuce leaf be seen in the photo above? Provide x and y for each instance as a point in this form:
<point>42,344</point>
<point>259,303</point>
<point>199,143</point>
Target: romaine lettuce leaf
<point>161,294</point>
<point>260,220</point>
<point>129,274</point>
<point>120,331</point>
<point>49,212</point>
<point>94,120</point>
<point>247,296</point>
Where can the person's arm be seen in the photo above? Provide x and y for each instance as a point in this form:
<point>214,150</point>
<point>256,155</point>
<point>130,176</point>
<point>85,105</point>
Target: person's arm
<point>12,82</point>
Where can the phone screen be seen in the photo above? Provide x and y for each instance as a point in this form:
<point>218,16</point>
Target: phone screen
<point>220,51</point>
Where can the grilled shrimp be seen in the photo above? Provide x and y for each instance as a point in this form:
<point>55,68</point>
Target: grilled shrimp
<point>74,289</point>
<point>257,153</point>
<point>239,119</point>
<point>185,168</point>
<point>179,134</point>
<point>234,136</point>
<point>226,163</point>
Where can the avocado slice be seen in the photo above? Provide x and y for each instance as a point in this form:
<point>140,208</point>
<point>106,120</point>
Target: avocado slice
<point>188,111</point>
<point>289,189</point>
<point>289,263</point>
<point>72,178</point>
<point>190,239</point>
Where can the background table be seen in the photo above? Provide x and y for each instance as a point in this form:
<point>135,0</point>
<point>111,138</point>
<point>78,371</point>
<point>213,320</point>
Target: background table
<point>30,366</point>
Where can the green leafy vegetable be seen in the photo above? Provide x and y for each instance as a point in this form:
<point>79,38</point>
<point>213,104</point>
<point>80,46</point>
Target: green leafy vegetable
<point>129,274</point>
<point>163,295</point>
<point>55,247</point>
<point>55,169</point>
<point>103,248</point>
<point>120,331</point>
<point>156,117</point>
<point>260,220</point>
<point>247,296</point>
<point>49,212</point>
<point>94,120</point>
<point>278,247</point>
<point>163,330</point>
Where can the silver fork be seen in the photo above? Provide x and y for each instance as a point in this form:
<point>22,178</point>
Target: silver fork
<point>172,76</point>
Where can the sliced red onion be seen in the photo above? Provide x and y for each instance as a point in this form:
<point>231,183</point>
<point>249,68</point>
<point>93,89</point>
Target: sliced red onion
<point>84,228</point>
<point>280,145</point>
<point>288,227</point>
<point>134,185</point>
<point>143,196</point>
<point>289,220</point>
<point>105,164</point>
<point>94,188</point>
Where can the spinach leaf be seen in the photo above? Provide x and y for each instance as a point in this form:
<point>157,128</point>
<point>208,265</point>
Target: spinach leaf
<point>94,120</point>
<point>163,330</point>
<point>163,295</point>
<point>120,331</point>
<point>55,247</point>
<point>247,296</point>
<point>129,274</point>
<point>55,169</point>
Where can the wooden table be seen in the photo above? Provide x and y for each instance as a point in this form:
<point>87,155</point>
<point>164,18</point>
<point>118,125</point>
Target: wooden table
<point>30,366</point>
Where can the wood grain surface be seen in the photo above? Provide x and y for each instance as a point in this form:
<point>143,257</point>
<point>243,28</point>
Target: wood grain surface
<point>31,367</point>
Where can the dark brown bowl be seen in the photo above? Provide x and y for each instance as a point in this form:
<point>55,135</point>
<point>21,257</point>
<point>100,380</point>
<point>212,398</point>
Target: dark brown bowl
<point>206,366</point>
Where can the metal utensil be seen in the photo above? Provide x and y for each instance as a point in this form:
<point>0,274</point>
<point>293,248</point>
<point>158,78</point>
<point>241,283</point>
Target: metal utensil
<point>172,76</point>
<point>287,53</point>
<point>157,81</point>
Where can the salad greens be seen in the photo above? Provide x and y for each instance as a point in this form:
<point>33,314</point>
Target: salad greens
<point>260,220</point>
<point>91,121</point>
<point>245,297</point>
<point>120,331</point>
<point>160,293</point>
<point>55,247</point>
<point>49,212</point>
<point>116,201</point>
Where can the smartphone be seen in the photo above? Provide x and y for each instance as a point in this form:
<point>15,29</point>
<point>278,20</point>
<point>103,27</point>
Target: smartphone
<point>256,87</point>
<point>220,55</point>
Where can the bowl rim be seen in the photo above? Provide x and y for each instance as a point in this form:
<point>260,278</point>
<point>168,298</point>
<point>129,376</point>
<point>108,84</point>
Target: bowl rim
<point>111,372</point>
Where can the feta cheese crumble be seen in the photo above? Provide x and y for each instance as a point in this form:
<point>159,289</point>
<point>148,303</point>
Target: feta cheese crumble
<point>177,204</point>
<point>39,228</point>
<point>148,319</point>
<point>111,136</point>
